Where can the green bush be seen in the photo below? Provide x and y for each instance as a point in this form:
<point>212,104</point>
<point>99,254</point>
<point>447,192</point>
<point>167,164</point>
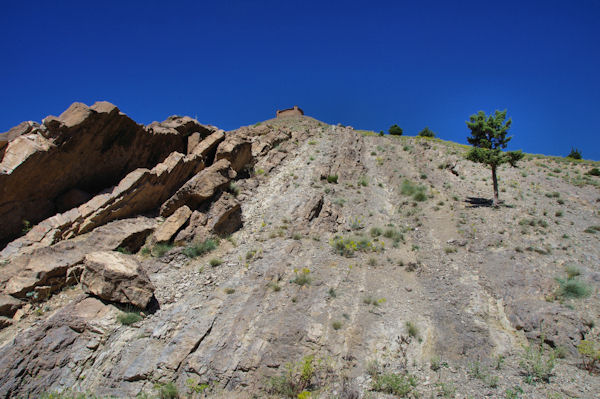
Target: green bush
<point>160,249</point>
<point>537,363</point>
<point>573,288</point>
<point>426,132</point>
<point>127,318</point>
<point>396,384</point>
<point>593,172</point>
<point>395,130</point>
<point>199,249</point>
<point>332,179</point>
<point>167,391</point>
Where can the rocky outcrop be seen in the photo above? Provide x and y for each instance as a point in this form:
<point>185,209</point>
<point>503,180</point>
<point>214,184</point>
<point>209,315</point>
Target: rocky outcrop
<point>59,265</point>
<point>225,215</point>
<point>9,305</point>
<point>140,191</point>
<point>116,277</point>
<point>200,188</point>
<point>85,148</point>
<point>208,147</point>
<point>237,149</point>
<point>172,225</point>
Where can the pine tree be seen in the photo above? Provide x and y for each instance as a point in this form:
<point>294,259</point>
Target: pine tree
<point>488,138</point>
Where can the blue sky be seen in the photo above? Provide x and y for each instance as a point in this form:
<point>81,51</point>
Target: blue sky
<point>364,64</point>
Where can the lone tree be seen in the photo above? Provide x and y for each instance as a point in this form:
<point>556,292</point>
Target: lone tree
<point>395,130</point>
<point>488,137</point>
<point>574,154</point>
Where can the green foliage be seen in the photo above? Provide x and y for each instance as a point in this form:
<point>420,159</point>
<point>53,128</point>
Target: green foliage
<point>426,132</point>
<point>488,138</point>
<point>537,363</point>
<point>412,329</point>
<point>363,181</point>
<point>590,353</point>
<point>375,231</point>
<point>348,246</point>
<point>196,387</point>
<point>167,391</point>
<point>214,262</point>
<point>302,277</point>
<point>573,288</point>
<point>392,383</point>
<point>199,249</point>
<point>160,249</point>
<point>296,379</point>
<point>332,179</point>
<point>593,172</point>
<point>68,394</point>
<point>574,154</point>
<point>234,189</point>
<point>26,227</point>
<point>416,191</point>
<point>395,130</point>
<point>127,318</point>
<point>336,325</point>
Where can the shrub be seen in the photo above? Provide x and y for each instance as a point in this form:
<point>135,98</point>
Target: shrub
<point>332,179</point>
<point>375,231</point>
<point>363,181</point>
<point>574,154</point>
<point>160,249</point>
<point>336,325</point>
<point>348,246</point>
<point>199,249</point>
<point>395,130</point>
<point>590,353</point>
<point>412,329</point>
<point>296,378</point>
<point>302,277</point>
<point>229,290</point>
<point>396,384</point>
<point>426,132</point>
<point>214,262</point>
<point>537,364</point>
<point>127,318</point>
<point>416,191</point>
<point>573,288</point>
<point>167,391</point>
<point>593,172</point>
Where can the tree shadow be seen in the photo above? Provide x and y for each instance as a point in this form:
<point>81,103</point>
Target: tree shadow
<point>477,202</point>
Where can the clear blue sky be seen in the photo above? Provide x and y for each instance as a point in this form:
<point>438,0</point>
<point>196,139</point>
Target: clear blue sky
<point>366,64</point>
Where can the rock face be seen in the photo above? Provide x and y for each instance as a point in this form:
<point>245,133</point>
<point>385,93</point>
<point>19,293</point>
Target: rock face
<point>200,188</point>
<point>116,277</point>
<point>85,148</point>
<point>58,265</point>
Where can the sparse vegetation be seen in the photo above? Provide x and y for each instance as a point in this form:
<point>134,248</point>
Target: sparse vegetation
<point>332,179</point>
<point>302,277</point>
<point>198,249</point>
<point>537,363</point>
<point>127,318</point>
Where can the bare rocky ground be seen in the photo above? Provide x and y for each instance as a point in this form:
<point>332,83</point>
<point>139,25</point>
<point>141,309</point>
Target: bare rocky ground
<point>447,290</point>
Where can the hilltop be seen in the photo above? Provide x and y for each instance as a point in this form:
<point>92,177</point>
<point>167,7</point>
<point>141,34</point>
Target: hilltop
<point>285,257</point>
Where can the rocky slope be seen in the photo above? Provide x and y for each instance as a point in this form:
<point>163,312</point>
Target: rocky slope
<point>348,265</point>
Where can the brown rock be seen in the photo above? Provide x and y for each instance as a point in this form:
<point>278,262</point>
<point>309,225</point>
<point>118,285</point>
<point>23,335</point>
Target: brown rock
<point>200,188</point>
<point>208,147</point>
<point>90,148</point>
<point>195,229</point>
<point>5,322</point>
<point>237,149</point>
<point>116,277</point>
<point>71,199</point>
<point>169,228</point>
<point>9,305</point>
<point>51,266</point>
<point>225,215</point>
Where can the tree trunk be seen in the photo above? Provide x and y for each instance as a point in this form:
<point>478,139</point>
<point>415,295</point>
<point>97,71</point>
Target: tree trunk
<point>495,181</point>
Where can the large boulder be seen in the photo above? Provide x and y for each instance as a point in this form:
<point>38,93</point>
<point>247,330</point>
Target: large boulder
<point>85,148</point>
<point>9,305</point>
<point>200,188</point>
<point>58,265</point>
<point>116,277</point>
<point>208,147</point>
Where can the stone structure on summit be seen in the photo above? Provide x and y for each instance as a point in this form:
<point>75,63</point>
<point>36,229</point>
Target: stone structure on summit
<point>290,112</point>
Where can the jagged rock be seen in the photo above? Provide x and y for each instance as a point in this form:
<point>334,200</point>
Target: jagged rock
<point>195,229</point>
<point>200,188</point>
<point>50,266</point>
<point>5,322</point>
<point>237,149</point>
<point>140,191</point>
<point>267,140</point>
<point>208,147</point>
<point>89,148</point>
<point>225,215</point>
<point>9,305</point>
<point>116,277</point>
<point>183,125</point>
<point>169,228</point>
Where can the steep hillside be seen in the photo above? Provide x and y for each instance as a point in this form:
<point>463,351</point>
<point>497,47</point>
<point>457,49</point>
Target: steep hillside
<point>348,265</point>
